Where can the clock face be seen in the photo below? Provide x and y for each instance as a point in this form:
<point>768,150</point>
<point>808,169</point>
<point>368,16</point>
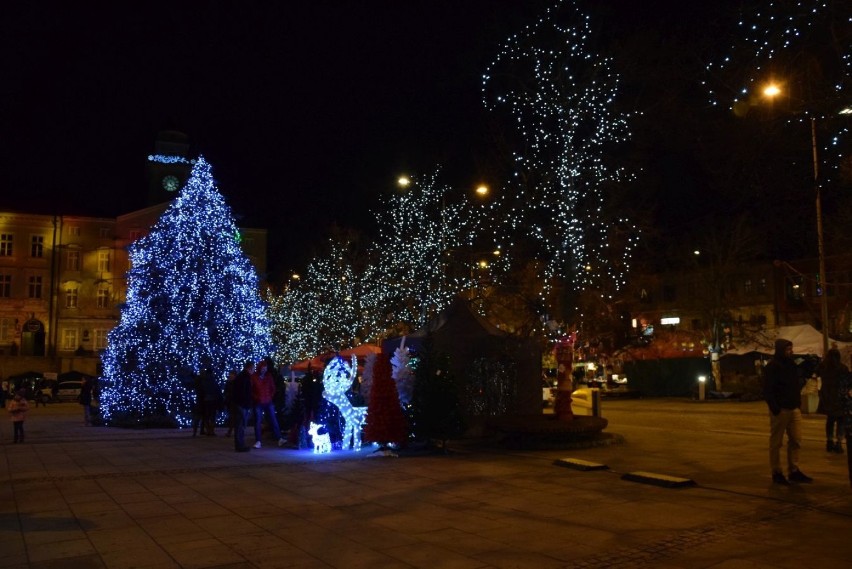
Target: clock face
<point>170,183</point>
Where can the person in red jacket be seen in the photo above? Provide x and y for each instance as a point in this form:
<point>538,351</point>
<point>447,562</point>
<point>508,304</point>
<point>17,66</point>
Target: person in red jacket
<point>262,392</point>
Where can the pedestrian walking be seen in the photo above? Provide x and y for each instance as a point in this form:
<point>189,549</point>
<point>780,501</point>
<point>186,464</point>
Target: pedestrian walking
<point>830,372</point>
<point>242,400</point>
<point>18,408</point>
<point>782,391</point>
<point>39,398</point>
<point>263,393</point>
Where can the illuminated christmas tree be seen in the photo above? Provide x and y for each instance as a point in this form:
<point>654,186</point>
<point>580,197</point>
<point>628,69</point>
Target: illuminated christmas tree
<point>192,303</point>
<point>422,232</point>
<point>351,294</point>
<point>560,97</point>
<point>331,307</point>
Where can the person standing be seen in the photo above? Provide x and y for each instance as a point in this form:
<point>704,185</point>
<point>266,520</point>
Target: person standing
<point>241,399</point>
<point>845,394</point>
<point>211,403</point>
<point>198,406</point>
<point>85,399</point>
<point>18,408</point>
<point>830,372</point>
<point>263,393</point>
<point>229,402</point>
<point>782,391</point>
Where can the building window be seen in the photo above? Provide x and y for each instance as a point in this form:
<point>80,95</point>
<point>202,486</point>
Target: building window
<point>103,297</point>
<point>5,286</point>
<point>7,330</point>
<point>6,240</point>
<point>72,261</point>
<point>103,261</point>
<point>104,232</point>
<point>761,286</point>
<point>747,288</point>
<point>34,288</point>
<point>135,234</point>
<point>37,246</point>
<point>669,293</point>
<point>101,338</point>
<point>71,294</point>
<point>70,340</point>
<point>74,230</point>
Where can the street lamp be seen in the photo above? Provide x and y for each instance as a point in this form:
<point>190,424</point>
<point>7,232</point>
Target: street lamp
<point>771,91</point>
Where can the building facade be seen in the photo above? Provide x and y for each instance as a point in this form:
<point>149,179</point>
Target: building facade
<point>746,298</point>
<point>62,281</point>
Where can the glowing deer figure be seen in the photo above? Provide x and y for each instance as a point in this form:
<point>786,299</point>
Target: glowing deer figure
<point>322,442</point>
<point>336,379</point>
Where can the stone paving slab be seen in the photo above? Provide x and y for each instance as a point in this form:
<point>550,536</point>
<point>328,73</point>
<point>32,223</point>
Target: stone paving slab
<point>76,496</point>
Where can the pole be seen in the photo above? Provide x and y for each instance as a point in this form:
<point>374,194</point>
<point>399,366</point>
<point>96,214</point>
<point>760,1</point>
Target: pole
<point>822,282</point>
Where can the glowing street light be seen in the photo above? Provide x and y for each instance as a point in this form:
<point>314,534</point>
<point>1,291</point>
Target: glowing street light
<point>771,91</point>
<point>482,190</point>
<point>403,181</point>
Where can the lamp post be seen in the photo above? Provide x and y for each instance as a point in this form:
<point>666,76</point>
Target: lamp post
<point>821,247</point>
<point>771,91</point>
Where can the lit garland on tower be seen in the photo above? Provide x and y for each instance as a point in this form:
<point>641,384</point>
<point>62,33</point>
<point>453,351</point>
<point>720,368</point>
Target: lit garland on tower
<point>560,97</point>
<point>192,303</point>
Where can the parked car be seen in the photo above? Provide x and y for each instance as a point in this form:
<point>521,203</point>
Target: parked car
<point>69,390</point>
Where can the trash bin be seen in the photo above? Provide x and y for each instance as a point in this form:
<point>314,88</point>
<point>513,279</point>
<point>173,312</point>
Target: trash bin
<point>586,401</point>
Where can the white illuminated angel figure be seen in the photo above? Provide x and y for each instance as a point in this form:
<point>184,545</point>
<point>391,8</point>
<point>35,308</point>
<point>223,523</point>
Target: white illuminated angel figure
<point>402,373</point>
<point>337,379</point>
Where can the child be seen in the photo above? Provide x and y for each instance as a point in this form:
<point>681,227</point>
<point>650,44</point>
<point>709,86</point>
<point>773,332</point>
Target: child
<point>18,411</point>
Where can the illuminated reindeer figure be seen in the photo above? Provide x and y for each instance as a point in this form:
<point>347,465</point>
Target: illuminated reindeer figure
<point>322,442</point>
<point>337,379</point>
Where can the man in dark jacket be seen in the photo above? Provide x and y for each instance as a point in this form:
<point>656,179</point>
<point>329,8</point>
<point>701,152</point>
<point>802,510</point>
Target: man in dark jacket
<point>242,403</point>
<point>782,390</point>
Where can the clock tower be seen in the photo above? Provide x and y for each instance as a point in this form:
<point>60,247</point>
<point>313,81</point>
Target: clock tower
<point>168,167</point>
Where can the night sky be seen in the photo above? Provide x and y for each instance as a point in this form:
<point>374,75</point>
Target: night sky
<point>307,110</point>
